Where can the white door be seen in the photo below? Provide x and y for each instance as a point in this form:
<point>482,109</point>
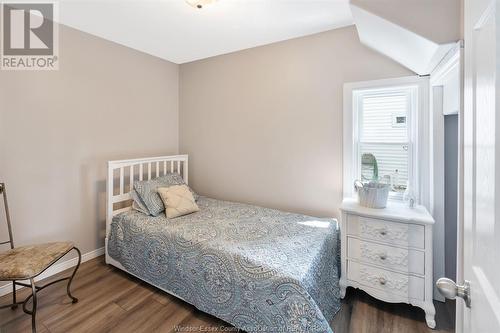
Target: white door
<point>481,234</point>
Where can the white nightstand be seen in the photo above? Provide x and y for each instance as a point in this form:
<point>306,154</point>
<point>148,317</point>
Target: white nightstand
<point>388,254</point>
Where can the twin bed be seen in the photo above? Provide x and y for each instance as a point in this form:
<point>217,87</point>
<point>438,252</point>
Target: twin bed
<point>259,269</point>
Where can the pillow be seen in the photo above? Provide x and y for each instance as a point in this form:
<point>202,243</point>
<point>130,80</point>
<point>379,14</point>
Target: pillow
<point>138,204</point>
<point>178,200</point>
<point>146,191</point>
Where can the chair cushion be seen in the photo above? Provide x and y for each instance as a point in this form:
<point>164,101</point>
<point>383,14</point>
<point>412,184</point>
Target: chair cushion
<point>28,261</point>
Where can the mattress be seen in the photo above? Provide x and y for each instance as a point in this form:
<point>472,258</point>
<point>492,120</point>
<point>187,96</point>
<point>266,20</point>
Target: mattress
<point>259,269</point>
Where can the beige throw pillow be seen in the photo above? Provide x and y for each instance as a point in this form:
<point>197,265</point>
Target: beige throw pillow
<point>178,200</point>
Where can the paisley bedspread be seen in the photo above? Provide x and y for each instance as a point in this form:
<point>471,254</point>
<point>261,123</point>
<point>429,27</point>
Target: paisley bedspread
<point>259,269</point>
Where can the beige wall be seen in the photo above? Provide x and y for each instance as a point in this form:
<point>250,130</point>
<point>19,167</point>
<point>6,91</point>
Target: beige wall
<point>58,129</point>
<point>264,125</point>
<point>261,126</point>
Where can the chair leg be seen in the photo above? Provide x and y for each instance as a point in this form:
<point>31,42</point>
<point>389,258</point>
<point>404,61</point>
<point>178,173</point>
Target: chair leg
<point>74,299</point>
<point>14,300</point>
<point>33,312</point>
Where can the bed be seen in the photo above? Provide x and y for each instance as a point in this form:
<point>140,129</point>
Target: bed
<point>259,269</point>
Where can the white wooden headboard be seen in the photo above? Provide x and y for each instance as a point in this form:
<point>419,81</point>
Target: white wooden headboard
<point>122,174</point>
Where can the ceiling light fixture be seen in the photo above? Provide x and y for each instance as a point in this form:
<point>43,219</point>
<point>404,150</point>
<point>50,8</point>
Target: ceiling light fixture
<point>200,3</point>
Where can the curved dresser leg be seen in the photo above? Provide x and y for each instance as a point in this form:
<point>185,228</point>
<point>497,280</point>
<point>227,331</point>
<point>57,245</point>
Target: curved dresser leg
<point>343,287</point>
<point>430,314</point>
<point>68,289</point>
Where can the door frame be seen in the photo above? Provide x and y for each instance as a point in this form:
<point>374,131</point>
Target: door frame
<point>452,60</point>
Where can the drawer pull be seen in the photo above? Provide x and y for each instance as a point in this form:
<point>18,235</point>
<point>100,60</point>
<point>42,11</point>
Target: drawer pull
<point>397,233</point>
<point>377,277</point>
<point>380,254</point>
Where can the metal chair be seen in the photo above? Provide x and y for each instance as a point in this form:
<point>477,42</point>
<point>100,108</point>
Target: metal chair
<point>28,262</point>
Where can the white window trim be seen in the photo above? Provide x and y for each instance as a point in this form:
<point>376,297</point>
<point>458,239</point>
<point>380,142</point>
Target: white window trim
<point>419,135</point>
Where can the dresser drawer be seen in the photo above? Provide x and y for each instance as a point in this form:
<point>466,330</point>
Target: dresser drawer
<point>399,284</point>
<point>404,260</point>
<point>385,231</point>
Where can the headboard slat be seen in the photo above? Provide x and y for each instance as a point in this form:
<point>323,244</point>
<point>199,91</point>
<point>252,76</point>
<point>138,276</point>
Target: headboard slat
<point>131,180</point>
<point>121,181</point>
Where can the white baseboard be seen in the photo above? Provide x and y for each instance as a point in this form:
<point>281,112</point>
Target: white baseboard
<point>54,269</point>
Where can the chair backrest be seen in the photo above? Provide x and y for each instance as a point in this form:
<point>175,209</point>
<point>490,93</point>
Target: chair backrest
<point>3,191</point>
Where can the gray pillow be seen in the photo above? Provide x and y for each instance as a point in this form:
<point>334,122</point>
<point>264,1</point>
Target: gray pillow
<point>138,204</point>
<point>146,190</point>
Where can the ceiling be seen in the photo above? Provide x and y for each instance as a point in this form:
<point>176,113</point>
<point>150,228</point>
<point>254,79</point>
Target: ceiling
<point>178,32</point>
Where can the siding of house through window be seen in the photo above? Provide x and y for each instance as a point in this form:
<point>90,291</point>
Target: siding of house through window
<point>383,133</point>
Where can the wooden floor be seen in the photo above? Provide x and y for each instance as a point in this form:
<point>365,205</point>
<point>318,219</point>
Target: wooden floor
<point>112,301</point>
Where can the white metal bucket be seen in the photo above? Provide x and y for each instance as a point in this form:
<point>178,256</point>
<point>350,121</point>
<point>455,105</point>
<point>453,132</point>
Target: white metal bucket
<point>373,195</point>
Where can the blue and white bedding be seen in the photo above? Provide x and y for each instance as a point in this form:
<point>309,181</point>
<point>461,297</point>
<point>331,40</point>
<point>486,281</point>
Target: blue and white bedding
<point>259,269</point>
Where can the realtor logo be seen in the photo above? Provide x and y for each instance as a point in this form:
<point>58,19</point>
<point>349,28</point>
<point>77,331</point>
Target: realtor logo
<point>29,36</point>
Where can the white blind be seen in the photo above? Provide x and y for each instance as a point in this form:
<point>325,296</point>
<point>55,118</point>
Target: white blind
<point>378,116</point>
<point>383,134</point>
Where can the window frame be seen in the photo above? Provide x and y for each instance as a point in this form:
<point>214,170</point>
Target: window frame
<point>411,92</point>
<point>418,127</point>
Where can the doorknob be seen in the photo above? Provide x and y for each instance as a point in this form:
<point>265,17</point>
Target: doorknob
<point>449,289</point>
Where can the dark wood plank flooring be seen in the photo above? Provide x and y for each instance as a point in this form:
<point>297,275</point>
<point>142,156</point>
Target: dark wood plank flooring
<point>113,301</point>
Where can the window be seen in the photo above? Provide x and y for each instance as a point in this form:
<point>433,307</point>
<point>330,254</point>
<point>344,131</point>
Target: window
<point>383,143</point>
<point>380,134</point>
